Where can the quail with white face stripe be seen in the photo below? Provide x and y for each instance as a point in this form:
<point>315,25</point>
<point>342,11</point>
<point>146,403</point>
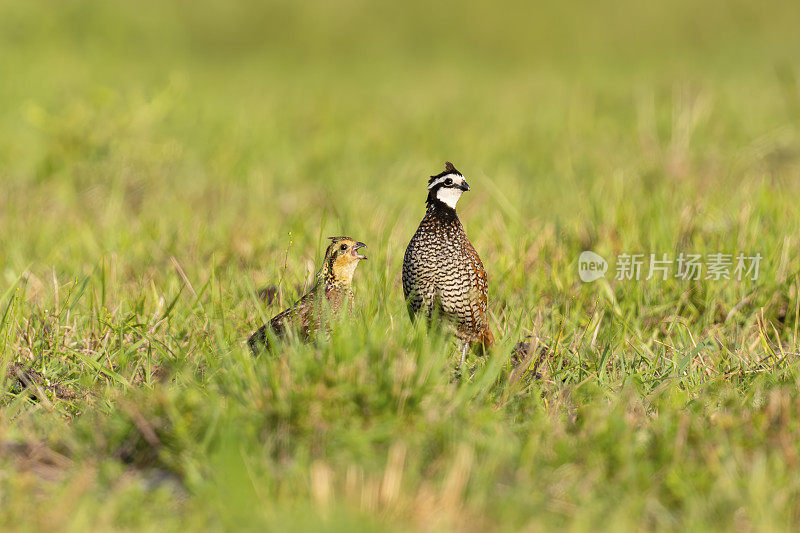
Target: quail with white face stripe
<point>443,276</point>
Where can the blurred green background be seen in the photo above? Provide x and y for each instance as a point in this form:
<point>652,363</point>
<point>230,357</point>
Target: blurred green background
<point>116,113</point>
<point>162,161</point>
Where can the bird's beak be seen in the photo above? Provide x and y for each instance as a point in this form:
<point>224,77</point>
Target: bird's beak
<point>464,186</point>
<point>355,252</point>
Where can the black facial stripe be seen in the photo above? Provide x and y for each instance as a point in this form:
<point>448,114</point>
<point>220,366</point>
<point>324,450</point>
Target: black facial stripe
<point>443,185</point>
<point>448,170</point>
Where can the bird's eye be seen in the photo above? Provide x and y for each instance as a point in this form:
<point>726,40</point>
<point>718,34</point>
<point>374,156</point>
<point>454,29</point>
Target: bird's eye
<point>343,247</point>
<point>448,181</point>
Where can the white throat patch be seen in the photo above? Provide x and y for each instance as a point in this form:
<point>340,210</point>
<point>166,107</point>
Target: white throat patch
<point>449,196</point>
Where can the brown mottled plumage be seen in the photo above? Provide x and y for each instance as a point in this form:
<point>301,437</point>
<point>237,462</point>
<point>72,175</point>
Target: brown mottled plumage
<point>331,290</point>
<point>442,273</point>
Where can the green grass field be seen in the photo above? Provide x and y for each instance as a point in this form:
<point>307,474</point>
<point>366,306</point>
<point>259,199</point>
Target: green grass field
<point>161,162</point>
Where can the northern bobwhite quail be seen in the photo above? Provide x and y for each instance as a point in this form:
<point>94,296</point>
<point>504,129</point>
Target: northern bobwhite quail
<point>442,273</point>
<point>330,292</point>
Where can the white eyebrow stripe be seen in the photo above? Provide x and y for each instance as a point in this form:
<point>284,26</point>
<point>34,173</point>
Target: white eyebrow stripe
<point>440,180</point>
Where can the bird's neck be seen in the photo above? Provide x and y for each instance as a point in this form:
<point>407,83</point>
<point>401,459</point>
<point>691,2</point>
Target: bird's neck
<point>338,292</point>
<point>334,284</point>
<point>440,211</point>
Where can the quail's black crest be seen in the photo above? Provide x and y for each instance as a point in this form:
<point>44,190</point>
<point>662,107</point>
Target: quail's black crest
<point>442,273</point>
<point>333,286</point>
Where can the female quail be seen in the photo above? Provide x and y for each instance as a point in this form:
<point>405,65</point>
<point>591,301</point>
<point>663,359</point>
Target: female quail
<point>332,289</point>
<point>442,273</point>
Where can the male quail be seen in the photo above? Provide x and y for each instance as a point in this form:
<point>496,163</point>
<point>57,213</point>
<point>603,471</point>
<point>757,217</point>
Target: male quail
<point>330,292</point>
<point>442,273</point>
